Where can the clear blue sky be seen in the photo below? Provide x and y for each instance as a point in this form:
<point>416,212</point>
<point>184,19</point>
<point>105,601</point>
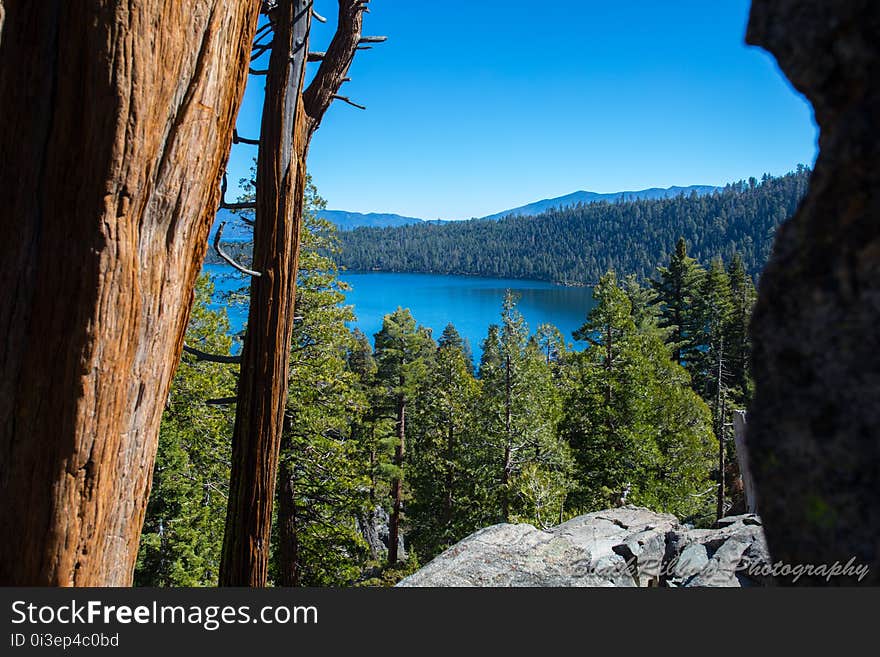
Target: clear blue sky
<point>480,106</point>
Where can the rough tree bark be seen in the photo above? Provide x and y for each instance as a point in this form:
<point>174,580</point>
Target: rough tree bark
<point>288,529</point>
<point>116,124</point>
<point>397,482</point>
<point>814,428</point>
<point>262,386</point>
<point>290,118</point>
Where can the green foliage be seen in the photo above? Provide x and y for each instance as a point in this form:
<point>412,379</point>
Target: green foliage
<point>678,286</point>
<point>520,409</point>
<point>447,473</point>
<point>380,575</point>
<point>580,243</point>
<point>638,432</point>
<point>537,434</point>
<point>323,477</point>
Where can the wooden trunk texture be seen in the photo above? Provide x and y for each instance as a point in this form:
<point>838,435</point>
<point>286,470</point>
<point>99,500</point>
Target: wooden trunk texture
<point>262,387</point>
<point>116,125</point>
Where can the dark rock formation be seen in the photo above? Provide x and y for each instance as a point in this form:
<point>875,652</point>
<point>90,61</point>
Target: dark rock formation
<point>814,430</point>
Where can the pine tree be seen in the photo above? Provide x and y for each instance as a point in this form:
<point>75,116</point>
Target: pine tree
<point>677,286</point>
<point>403,351</point>
<point>452,338</point>
<point>713,314</point>
<point>638,432</point>
<point>738,339</point>
<point>322,478</point>
<point>446,479</point>
<point>521,409</point>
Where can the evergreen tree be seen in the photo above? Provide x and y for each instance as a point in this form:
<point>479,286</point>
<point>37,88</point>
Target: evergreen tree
<point>713,312</point>
<point>738,340</point>
<point>521,409</point>
<point>577,244</point>
<point>677,286</point>
<point>550,342</point>
<point>637,430</point>
<point>452,338</point>
<point>644,301</point>
<point>403,352</point>
<point>448,490</point>
<point>322,479</point>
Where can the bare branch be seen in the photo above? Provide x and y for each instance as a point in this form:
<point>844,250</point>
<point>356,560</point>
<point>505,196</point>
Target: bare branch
<point>346,99</point>
<point>336,62</point>
<point>211,358</point>
<point>228,258</point>
<point>223,401</point>
<point>248,205</point>
<point>254,71</point>
<point>238,139</point>
<point>318,17</point>
<point>317,56</point>
<point>260,50</point>
<point>224,184</point>
<point>263,30</point>
<point>373,39</point>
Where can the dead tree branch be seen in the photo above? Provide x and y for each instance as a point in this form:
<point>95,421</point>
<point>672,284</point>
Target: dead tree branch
<point>229,259</point>
<point>238,139</point>
<point>346,99</point>
<point>223,401</point>
<point>211,358</point>
<point>336,62</point>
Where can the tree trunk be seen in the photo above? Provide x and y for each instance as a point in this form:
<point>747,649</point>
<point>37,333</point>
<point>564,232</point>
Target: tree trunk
<point>742,456</point>
<point>505,473</point>
<point>719,432</point>
<point>397,483</point>
<point>288,534</point>
<point>449,499</point>
<point>262,386</point>
<point>116,124</point>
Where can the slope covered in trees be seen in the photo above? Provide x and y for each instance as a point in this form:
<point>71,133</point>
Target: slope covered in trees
<point>577,245</point>
<point>413,431</point>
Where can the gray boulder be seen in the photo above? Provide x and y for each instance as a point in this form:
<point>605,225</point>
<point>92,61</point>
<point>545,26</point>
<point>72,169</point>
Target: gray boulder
<point>623,547</point>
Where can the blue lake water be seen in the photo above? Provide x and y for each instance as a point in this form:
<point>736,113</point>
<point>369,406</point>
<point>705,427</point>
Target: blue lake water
<point>468,302</point>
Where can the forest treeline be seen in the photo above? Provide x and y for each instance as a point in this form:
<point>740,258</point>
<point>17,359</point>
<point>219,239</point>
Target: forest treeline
<point>578,244</point>
<point>405,430</point>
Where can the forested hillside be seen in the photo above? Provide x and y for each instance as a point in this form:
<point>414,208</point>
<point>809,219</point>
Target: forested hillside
<point>578,244</point>
<point>405,436</point>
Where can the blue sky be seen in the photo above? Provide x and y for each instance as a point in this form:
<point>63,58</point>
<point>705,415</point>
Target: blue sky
<point>480,106</point>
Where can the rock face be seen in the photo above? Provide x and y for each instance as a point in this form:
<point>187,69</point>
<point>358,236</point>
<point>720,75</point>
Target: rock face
<point>814,427</point>
<point>373,526</point>
<point>625,547</point>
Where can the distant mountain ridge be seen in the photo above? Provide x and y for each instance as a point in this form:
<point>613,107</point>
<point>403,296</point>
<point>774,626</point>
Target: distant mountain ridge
<point>351,220</point>
<point>573,199</point>
<point>236,231</point>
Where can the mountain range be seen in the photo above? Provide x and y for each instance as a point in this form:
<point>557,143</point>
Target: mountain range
<point>236,231</point>
<point>573,199</point>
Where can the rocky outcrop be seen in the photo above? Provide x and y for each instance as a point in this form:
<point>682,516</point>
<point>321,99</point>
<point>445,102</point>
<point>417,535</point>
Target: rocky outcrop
<point>373,526</point>
<point>624,547</point>
<point>814,427</point>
